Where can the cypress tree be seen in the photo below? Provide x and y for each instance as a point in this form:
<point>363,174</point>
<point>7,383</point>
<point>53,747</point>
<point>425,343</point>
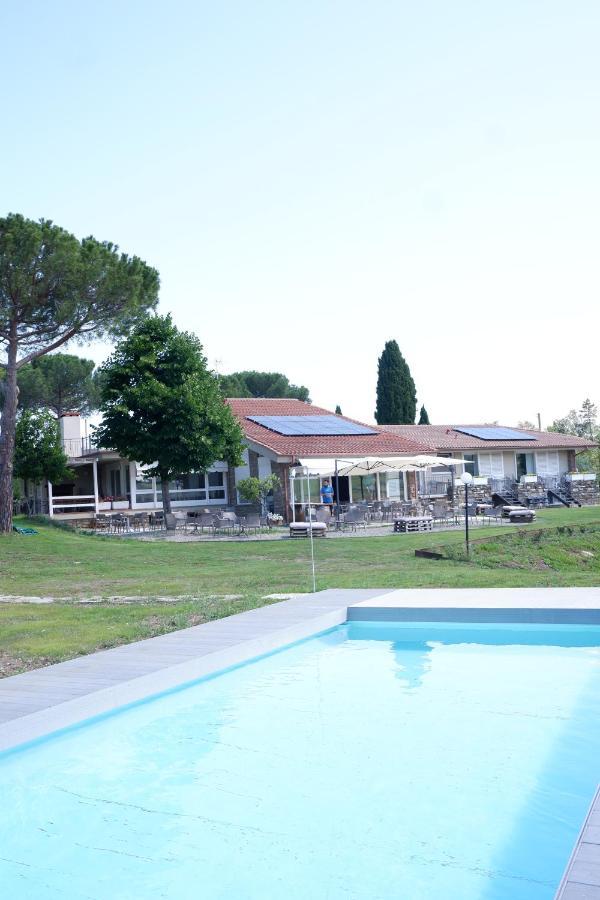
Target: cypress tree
<point>338,410</point>
<point>423,417</point>
<point>396,392</point>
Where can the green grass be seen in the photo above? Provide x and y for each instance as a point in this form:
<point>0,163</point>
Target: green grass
<point>72,566</point>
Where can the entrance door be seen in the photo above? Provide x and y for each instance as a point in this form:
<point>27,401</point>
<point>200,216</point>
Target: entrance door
<point>344,489</point>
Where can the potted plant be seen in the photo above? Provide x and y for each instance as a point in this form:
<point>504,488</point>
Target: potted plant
<point>256,490</point>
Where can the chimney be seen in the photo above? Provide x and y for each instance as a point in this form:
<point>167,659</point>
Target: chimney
<point>70,433</point>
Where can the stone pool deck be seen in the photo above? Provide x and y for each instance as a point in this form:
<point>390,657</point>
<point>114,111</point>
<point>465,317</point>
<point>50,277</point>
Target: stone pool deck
<point>47,700</point>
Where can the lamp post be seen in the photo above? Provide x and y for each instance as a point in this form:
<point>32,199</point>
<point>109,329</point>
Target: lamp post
<point>466,479</point>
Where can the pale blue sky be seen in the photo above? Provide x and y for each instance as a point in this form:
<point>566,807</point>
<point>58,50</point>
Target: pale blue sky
<point>312,179</point>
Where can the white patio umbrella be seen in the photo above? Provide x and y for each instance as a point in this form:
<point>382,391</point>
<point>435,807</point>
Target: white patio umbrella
<point>371,464</point>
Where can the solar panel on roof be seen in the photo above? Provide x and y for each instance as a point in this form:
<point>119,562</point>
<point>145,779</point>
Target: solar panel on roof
<point>296,426</point>
<point>497,433</point>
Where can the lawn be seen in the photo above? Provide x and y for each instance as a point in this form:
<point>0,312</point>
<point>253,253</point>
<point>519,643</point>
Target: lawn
<point>214,580</point>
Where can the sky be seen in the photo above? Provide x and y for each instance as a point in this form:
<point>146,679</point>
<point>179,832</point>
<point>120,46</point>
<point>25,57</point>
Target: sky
<point>313,179</point>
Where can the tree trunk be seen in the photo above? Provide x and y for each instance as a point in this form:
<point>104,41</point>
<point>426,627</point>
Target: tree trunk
<point>7,440</point>
<point>166,497</point>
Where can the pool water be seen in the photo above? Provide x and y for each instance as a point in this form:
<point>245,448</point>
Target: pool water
<point>372,762</point>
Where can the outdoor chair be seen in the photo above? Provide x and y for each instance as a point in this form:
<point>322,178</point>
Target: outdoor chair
<point>119,523</point>
<point>323,515</point>
<point>139,521</point>
<point>251,522</point>
<point>156,519</point>
<point>492,513</point>
<point>101,523</point>
<point>354,519</point>
<point>439,511</point>
<point>226,522</point>
<point>386,511</point>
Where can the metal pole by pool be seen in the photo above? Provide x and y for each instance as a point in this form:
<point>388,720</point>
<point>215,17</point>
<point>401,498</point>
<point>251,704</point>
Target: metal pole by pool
<point>310,532</point>
<point>337,494</point>
<point>466,479</point>
<point>467,516</point>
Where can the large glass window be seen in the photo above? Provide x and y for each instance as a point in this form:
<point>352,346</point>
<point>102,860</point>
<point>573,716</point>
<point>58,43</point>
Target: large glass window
<point>491,464</point>
<point>394,488</point>
<point>525,464</point>
<point>474,468</point>
<point>364,487</point>
<point>216,486</point>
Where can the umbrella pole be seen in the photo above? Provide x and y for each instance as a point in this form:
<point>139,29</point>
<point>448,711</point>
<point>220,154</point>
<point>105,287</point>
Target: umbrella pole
<point>337,494</point>
<point>310,531</point>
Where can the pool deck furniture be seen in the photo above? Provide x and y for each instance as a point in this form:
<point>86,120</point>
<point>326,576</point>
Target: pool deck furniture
<point>407,524</point>
<point>521,515</point>
<point>38,703</point>
<point>303,529</point>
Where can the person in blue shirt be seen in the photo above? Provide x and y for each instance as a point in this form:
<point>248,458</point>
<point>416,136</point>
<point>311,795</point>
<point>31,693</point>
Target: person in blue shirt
<point>327,494</point>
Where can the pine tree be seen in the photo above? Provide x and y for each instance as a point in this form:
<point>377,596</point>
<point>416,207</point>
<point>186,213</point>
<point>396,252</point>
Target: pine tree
<point>423,417</point>
<point>338,410</point>
<point>396,392</point>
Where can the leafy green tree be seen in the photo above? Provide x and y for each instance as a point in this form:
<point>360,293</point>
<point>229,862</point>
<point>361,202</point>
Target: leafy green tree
<point>338,410</point>
<point>61,382</point>
<point>396,392</point>
<point>261,384</point>
<point>584,424</point>
<point>162,407</point>
<point>38,450</point>
<point>256,490</point>
<point>423,417</point>
<point>54,288</point>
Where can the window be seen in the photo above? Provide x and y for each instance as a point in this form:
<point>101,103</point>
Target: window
<point>394,488</point>
<point>115,482</point>
<point>364,487</point>
<point>525,464</point>
<point>472,457</point>
<point>491,464</point>
<point>216,486</point>
<point>198,486</point>
<point>546,462</point>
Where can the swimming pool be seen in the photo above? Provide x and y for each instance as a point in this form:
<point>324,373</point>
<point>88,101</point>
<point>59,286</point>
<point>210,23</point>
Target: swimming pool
<point>372,762</point>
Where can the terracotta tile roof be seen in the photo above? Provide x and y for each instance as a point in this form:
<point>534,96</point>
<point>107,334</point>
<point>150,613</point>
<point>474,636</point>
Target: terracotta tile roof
<point>383,443</point>
<point>445,437</point>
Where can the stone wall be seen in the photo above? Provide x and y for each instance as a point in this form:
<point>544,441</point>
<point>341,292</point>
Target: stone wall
<point>478,493</point>
<point>585,492</point>
<point>528,489</point>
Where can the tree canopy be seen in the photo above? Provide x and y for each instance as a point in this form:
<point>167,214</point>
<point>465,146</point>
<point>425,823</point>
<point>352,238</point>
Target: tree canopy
<point>256,490</point>
<point>162,407</point>
<point>54,288</point>
<point>582,422</point>
<point>338,410</point>
<point>38,450</point>
<point>61,382</point>
<point>423,417</point>
<point>261,384</point>
<point>396,392</point>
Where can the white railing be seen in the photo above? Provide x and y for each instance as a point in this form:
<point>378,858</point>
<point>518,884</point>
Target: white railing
<point>75,447</point>
<point>75,501</point>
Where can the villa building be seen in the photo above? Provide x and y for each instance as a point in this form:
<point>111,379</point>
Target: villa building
<point>506,461</point>
<point>282,435</point>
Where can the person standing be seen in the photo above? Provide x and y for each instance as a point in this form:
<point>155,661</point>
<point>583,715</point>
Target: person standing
<point>327,494</point>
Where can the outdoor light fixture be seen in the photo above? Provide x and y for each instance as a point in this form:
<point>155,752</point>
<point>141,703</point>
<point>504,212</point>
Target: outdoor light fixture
<point>466,479</point>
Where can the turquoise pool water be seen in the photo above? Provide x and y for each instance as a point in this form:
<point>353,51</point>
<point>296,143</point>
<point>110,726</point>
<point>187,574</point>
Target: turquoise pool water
<point>374,762</point>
